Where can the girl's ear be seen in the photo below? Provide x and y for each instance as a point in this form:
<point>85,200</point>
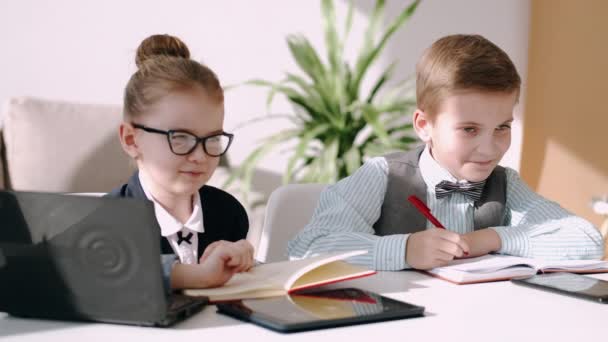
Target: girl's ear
<point>422,125</point>
<point>126,131</point>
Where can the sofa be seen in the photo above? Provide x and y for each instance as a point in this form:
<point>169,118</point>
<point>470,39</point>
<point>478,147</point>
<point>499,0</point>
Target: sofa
<point>58,146</point>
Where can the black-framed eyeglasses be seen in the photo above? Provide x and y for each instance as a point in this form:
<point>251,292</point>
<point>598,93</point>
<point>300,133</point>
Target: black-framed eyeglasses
<point>183,143</point>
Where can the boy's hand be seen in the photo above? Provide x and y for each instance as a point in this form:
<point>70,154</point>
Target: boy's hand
<point>482,242</point>
<point>240,254</point>
<point>433,248</point>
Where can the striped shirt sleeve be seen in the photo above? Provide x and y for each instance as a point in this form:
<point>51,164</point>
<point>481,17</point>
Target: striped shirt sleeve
<point>344,218</point>
<point>539,228</point>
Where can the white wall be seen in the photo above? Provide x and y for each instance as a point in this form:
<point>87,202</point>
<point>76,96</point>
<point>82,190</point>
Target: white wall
<point>83,50</point>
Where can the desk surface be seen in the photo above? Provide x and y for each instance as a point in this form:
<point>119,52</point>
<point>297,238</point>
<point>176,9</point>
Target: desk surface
<point>499,311</point>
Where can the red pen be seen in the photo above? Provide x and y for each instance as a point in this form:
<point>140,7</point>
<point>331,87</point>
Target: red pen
<point>424,210</point>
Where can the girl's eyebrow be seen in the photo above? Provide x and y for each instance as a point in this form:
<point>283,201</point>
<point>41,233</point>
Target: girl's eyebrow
<point>217,131</point>
<point>220,131</point>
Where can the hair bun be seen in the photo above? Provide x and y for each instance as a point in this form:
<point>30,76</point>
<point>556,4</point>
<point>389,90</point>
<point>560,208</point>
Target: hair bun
<point>160,45</point>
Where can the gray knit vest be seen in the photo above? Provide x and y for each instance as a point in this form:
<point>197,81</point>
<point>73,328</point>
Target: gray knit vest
<point>399,216</point>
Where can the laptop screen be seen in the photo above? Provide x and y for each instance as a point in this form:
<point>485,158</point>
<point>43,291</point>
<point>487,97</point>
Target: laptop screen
<point>74,257</point>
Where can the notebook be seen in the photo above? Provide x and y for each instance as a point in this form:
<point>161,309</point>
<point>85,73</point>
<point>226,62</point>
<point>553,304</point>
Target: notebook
<point>84,258</point>
<point>281,278</point>
<point>503,267</point>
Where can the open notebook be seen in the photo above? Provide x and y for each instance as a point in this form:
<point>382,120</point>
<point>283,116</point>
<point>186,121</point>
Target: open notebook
<point>280,278</point>
<point>503,267</point>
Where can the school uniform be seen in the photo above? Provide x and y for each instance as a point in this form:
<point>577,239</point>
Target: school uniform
<point>369,210</point>
<point>216,215</point>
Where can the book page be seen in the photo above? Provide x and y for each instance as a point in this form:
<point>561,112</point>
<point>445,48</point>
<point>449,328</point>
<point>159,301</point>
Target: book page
<point>270,276</point>
<point>502,267</point>
<point>309,264</point>
<point>328,273</point>
<point>276,276</point>
<point>462,277</point>
<point>489,263</point>
<point>264,293</point>
<point>240,283</point>
<point>575,265</point>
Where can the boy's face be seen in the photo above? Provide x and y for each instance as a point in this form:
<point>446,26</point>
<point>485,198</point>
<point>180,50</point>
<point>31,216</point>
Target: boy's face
<point>470,132</point>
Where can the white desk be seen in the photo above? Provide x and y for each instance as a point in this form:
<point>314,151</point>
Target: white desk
<point>497,311</point>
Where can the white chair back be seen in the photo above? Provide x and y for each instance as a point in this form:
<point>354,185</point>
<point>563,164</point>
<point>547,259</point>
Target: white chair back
<point>289,209</point>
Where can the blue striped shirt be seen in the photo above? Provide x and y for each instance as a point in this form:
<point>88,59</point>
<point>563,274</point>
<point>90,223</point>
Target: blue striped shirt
<point>344,218</point>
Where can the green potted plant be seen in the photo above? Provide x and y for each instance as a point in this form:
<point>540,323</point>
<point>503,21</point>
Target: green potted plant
<point>336,126</point>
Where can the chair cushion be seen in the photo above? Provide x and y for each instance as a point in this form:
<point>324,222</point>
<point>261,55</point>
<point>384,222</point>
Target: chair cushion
<point>63,147</point>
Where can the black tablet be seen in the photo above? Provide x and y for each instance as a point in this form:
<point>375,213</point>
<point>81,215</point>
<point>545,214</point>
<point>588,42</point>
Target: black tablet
<point>319,309</point>
<point>570,284</point>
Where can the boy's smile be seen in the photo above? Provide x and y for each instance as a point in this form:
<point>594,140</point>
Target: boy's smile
<point>470,133</point>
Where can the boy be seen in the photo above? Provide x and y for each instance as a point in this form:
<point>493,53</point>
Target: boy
<point>466,89</point>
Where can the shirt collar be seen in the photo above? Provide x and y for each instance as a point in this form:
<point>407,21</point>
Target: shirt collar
<point>169,225</point>
<point>432,173</point>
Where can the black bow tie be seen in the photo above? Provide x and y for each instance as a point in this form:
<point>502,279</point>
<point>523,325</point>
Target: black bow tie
<point>470,189</point>
<point>181,238</point>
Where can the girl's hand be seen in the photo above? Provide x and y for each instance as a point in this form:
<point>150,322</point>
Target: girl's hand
<point>240,254</point>
<point>434,247</point>
<point>220,261</point>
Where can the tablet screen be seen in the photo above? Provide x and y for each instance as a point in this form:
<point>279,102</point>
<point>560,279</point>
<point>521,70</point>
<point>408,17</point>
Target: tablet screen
<point>570,283</point>
<point>320,309</point>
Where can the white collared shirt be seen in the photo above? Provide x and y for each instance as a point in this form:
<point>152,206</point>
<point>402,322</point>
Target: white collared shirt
<point>170,226</point>
<point>432,173</point>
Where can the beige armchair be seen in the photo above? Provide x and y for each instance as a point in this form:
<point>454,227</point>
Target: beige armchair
<point>61,147</point>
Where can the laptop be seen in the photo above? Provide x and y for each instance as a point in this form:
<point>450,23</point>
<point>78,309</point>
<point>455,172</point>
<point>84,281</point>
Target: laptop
<point>73,257</point>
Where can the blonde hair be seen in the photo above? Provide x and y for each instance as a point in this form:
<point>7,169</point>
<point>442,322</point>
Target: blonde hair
<point>459,63</point>
<point>164,66</point>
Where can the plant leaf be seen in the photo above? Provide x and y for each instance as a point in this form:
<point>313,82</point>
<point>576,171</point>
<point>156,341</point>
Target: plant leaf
<point>246,169</point>
<point>369,54</point>
<point>306,57</point>
<point>352,159</point>
<point>349,23</point>
<point>384,77</point>
<point>372,116</point>
<point>317,102</point>
<point>323,169</point>
<point>337,129</point>
<point>334,52</point>
<point>300,151</point>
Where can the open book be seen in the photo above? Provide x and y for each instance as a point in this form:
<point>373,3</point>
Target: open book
<point>280,278</point>
<point>503,267</point>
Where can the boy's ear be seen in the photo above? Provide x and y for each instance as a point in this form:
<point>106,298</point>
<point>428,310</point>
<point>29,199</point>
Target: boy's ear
<point>422,125</point>
<point>126,133</point>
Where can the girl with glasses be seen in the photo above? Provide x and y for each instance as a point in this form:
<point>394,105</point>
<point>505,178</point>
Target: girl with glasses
<point>173,130</point>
